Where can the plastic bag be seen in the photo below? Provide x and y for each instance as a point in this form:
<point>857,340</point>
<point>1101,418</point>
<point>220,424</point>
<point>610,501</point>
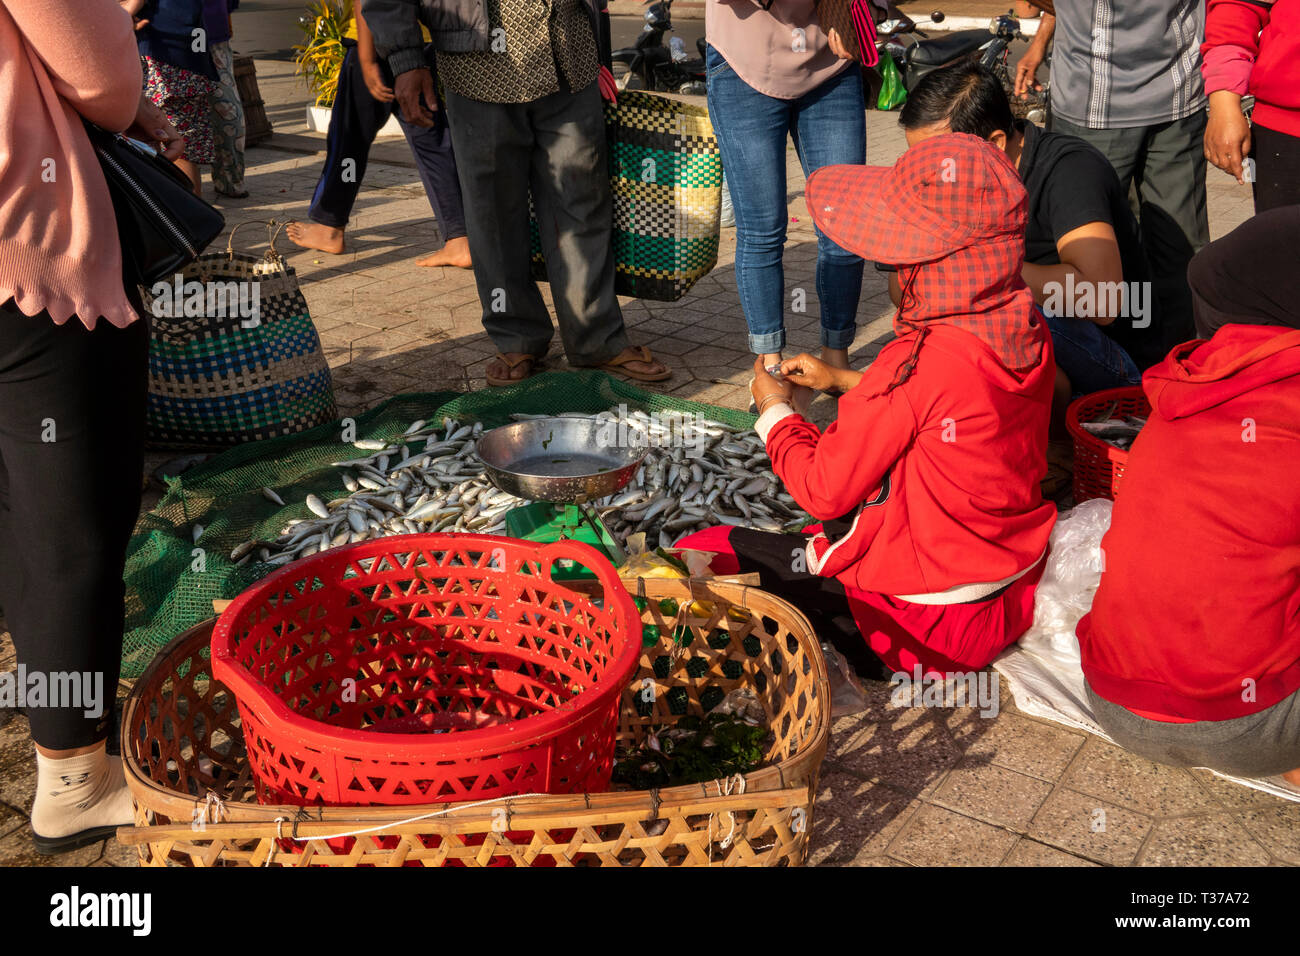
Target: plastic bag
<point>847,695</point>
<point>892,91</point>
<point>1073,571</point>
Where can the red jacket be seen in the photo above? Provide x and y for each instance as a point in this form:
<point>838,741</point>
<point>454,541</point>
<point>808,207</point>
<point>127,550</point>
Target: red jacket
<point>1198,612</point>
<point>1259,39</point>
<point>942,472</point>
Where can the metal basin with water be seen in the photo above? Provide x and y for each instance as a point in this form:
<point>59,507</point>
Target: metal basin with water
<point>562,460</point>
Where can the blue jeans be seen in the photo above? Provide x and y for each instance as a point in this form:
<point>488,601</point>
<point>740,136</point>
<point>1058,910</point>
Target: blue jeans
<point>828,126</point>
<point>1090,358</point>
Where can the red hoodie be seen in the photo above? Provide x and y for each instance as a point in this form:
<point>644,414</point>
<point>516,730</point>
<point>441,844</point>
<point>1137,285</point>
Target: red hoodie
<point>941,473</point>
<point>1258,39</point>
<point>1198,612</point>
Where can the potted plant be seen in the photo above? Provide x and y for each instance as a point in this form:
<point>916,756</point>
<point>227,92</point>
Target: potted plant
<point>319,59</point>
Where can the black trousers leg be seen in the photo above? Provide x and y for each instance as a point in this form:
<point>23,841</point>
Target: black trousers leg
<point>72,422</point>
<point>782,569</point>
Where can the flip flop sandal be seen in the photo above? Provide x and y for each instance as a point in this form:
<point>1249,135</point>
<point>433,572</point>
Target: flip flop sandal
<point>530,361</point>
<point>640,353</point>
<point>48,846</point>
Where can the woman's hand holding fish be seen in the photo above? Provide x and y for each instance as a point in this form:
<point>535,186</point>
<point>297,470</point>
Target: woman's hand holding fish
<point>813,373</point>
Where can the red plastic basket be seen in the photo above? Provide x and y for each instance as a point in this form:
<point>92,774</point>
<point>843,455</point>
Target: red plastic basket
<point>1099,465</point>
<point>428,668</point>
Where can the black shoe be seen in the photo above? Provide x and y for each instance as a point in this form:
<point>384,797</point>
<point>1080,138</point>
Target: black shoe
<point>49,846</point>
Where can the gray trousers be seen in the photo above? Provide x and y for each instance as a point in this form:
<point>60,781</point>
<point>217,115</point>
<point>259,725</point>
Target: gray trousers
<point>1258,745</point>
<point>1164,167</point>
<point>555,147</point>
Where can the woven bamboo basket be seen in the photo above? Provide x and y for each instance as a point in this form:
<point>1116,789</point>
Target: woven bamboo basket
<point>194,795</point>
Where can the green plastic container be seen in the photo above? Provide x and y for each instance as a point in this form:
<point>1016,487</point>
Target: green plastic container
<point>544,523</point>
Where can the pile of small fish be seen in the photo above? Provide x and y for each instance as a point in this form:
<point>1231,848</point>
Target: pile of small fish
<point>696,474</point>
<point>1119,432</point>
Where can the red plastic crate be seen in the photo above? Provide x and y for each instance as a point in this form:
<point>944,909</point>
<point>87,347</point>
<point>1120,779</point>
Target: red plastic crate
<point>1099,465</point>
<point>428,668</point>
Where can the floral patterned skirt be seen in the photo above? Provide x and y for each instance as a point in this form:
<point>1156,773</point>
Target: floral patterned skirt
<point>184,97</point>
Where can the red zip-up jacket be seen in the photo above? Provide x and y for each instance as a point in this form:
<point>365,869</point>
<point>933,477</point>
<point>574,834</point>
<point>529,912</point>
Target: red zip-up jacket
<point>1259,39</point>
<point>942,473</point>
<point>1198,612</point>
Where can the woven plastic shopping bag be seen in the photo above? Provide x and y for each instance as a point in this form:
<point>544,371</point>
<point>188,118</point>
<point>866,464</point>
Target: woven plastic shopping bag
<point>233,353</point>
<point>665,172</point>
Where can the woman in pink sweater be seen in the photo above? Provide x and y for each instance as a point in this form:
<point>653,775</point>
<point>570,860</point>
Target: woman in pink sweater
<point>72,396</point>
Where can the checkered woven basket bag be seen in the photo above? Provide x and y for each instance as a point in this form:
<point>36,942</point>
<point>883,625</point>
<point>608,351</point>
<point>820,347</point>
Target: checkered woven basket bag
<point>233,353</point>
<point>665,172</point>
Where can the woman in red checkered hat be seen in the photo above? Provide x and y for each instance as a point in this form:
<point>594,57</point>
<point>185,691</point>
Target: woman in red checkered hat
<point>934,532</point>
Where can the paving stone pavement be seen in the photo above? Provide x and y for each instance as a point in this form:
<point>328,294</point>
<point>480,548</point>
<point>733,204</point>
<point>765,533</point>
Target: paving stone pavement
<point>899,786</point>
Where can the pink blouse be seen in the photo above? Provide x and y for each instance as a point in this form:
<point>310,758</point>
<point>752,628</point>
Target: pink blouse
<point>780,52</point>
<point>61,60</point>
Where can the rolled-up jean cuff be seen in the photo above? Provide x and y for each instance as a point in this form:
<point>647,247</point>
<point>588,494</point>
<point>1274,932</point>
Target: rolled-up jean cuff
<point>838,338</point>
<point>767,343</point>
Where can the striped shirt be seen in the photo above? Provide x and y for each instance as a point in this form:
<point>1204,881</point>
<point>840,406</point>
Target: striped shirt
<point>1124,63</point>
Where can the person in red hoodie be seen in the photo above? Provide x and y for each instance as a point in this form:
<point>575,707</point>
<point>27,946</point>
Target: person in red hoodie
<point>934,531</point>
<point>1191,651</point>
<point>1253,47</point>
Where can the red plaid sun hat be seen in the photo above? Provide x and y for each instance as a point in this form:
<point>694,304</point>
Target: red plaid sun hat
<point>943,195</point>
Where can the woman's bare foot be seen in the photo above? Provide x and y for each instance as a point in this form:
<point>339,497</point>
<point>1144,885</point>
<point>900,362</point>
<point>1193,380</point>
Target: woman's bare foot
<point>313,235</point>
<point>455,253</point>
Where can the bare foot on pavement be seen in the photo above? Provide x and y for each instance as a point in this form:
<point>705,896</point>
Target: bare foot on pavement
<point>455,253</point>
<point>312,235</point>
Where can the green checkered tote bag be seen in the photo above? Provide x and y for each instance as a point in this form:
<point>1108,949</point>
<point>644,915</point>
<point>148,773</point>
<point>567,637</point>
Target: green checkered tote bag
<point>233,353</point>
<point>665,171</point>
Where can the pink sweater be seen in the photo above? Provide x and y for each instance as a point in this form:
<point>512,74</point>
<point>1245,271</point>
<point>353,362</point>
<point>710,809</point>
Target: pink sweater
<point>61,60</point>
<point>781,52</point>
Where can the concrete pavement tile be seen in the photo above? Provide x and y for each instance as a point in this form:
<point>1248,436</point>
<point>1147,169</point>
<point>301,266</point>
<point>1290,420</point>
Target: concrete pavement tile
<point>1234,796</point>
<point>854,819</point>
<point>1104,770</point>
<point>1015,742</point>
<point>1029,852</point>
<point>18,849</point>
<point>1209,840</point>
<point>934,836</point>
<point>118,854</point>
<point>909,751</point>
<point>992,794</point>
<point>1277,829</point>
<point>1091,828</point>
<point>374,343</point>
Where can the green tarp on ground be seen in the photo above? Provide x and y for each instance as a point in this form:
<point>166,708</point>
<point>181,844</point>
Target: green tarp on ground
<point>171,581</point>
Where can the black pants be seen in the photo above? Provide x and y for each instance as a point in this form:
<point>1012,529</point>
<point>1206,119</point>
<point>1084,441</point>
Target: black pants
<point>782,570</point>
<point>1250,276</point>
<point>1277,168</point>
<point>72,420</point>
<point>355,121</point>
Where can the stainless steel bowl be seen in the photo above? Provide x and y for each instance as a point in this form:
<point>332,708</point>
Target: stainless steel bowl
<point>570,460</point>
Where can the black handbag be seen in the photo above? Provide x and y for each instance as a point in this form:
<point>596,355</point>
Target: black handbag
<point>162,224</point>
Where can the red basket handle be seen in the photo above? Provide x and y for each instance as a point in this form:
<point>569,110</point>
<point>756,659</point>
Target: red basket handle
<point>580,553</point>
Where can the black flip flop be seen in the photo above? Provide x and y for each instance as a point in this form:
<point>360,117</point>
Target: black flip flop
<point>49,846</point>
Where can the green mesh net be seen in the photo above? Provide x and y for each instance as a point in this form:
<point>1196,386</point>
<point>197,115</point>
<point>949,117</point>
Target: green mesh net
<point>171,580</point>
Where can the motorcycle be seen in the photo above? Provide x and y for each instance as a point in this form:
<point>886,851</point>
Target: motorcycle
<point>650,65</point>
<point>923,55</point>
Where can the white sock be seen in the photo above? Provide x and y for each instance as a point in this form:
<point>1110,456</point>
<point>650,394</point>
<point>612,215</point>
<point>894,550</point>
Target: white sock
<point>79,793</point>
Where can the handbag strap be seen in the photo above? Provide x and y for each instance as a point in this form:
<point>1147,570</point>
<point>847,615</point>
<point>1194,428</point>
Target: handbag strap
<point>273,229</point>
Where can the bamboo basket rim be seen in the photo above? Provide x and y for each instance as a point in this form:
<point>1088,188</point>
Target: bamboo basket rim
<point>777,777</point>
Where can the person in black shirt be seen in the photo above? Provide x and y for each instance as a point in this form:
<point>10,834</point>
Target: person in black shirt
<point>1083,255</point>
